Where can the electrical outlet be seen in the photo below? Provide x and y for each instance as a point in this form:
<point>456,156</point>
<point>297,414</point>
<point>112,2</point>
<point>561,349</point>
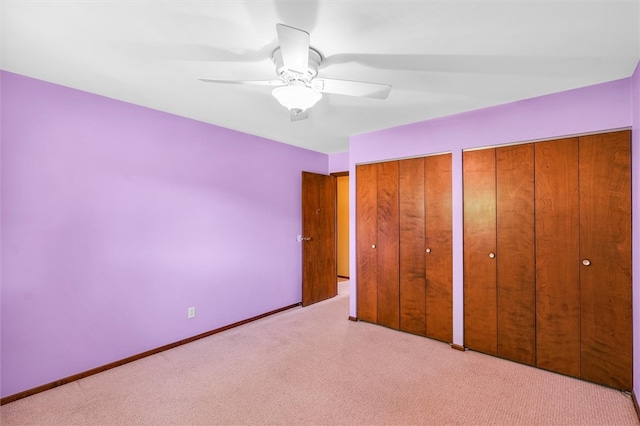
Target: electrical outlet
<point>191,312</point>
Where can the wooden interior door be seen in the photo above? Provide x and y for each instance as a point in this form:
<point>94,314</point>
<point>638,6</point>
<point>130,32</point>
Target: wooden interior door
<point>366,242</point>
<point>387,247</point>
<point>515,253</point>
<point>557,256</point>
<point>479,233</point>
<point>605,255</point>
<point>412,246</point>
<point>319,270</point>
<point>438,250</point>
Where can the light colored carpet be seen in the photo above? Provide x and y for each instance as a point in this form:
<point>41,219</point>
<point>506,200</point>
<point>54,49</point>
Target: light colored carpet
<point>313,366</point>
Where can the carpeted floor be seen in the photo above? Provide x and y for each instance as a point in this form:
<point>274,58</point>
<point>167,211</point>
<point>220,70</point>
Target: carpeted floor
<point>313,366</point>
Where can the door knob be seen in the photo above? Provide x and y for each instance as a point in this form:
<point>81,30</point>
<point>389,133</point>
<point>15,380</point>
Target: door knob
<point>492,255</point>
<point>586,262</point>
<point>373,246</point>
<point>428,250</point>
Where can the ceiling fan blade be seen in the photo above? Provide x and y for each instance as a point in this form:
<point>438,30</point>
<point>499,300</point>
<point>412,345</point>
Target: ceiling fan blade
<point>294,45</point>
<point>352,88</point>
<point>273,83</point>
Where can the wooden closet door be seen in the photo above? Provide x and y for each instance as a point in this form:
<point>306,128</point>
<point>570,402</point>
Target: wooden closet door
<point>412,233</point>
<point>479,192</point>
<point>605,243</point>
<point>515,253</point>
<point>388,245</point>
<point>366,240</point>
<point>557,256</point>
<point>438,248</point>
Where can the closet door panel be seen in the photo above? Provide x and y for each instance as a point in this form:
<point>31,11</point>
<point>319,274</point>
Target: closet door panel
<point>515,253</point>
<point>412,259</point>
<point>557,256</point>
<point>605,242</point>
<point>479,191</point>
<point>388,245</point>
<point>366,237</point>
<point>439,280</point>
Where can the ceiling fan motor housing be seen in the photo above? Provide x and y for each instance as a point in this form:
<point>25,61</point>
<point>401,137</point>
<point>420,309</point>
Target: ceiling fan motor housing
<point>289,76</point>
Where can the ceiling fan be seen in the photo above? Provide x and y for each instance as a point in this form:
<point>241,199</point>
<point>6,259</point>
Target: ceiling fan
<point>299,87</point>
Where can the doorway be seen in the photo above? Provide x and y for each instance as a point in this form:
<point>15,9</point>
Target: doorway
<point>342,224</point>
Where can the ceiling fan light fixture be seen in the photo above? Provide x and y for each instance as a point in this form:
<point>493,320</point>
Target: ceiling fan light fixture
<point>297,97</point>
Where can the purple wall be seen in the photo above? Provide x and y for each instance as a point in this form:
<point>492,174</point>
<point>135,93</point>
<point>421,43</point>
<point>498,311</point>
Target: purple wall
<point>596,108</point>
<point>339,162</point>
<point>117,218</point>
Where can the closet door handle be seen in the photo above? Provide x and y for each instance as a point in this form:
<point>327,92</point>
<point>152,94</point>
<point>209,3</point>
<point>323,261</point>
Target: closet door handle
<point>586,262</point>
<point>373,246</point>
<point>428,250</point>
<point>492,255</point>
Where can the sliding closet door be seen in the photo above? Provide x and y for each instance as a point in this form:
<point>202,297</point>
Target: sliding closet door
<point>515,256</point>
<point>479,191</point>
<point>557,254</point>
<point>366,240</point>
<point>605,255</point>
<point>412,246</point>
<point>388,245</point>
<point>438,248</point>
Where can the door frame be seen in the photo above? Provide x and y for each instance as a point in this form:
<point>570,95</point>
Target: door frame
<point>338,175</point>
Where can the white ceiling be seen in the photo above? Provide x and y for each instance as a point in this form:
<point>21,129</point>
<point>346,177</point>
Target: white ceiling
<point>441,57</point>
